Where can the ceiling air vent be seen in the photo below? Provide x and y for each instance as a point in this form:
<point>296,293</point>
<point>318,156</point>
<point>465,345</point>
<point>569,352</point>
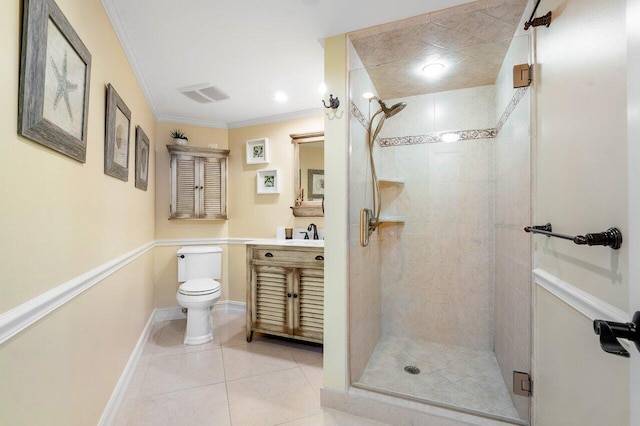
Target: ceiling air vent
<point>204,93</point>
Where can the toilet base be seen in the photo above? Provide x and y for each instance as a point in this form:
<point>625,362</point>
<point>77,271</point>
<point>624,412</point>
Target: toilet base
<point>199,326</point>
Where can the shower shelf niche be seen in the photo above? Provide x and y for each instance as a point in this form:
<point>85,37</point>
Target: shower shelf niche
<point>391,181</point>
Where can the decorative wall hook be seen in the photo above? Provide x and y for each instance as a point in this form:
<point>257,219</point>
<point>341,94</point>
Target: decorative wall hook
<point>334,103</point>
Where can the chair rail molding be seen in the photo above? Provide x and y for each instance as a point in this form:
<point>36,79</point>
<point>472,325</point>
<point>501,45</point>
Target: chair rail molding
<point>22,316</point>
<point>583,302</point>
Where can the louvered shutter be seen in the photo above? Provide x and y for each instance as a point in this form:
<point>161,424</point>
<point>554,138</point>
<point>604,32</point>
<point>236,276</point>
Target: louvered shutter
<point>272,305</point>
<point>185,193</point>
<point>310,301</point>
<point>213,204</point>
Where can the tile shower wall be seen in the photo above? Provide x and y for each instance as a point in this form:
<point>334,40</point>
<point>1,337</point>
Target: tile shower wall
<point>512,245</point>
<point>437,281</point>
<point>364,272</point>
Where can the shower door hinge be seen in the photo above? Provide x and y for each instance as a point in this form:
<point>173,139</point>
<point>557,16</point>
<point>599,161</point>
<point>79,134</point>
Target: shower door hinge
<point>522,384</point>
<point>521,75</point>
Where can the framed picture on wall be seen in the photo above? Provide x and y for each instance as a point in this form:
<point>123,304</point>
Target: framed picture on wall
<point>142,159</point>
<point>258,151</point>
<point>316,184</point>
<point>55,66</point>
<point>268,182</point>
<point>116,141</point>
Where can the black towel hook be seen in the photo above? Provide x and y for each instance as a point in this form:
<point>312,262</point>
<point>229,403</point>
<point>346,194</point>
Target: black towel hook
<point>610,331</point>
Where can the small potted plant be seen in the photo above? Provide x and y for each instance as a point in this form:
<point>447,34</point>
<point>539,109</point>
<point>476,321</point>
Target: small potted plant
<point>178,137</point>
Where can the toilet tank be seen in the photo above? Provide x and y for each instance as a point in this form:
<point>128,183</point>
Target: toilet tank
<point>199,262</point>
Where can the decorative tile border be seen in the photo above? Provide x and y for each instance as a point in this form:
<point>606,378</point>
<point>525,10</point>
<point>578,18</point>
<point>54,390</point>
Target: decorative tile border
<point>359,116</point>
<point>512,105</point>
<point>464,135</point>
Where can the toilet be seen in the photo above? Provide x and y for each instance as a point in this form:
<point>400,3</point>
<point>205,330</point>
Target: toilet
<point>198,269</point>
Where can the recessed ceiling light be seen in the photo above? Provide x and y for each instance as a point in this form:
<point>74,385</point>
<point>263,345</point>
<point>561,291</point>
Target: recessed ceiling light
<point>433,70</point>
<point>450,137</point>
<point>367,95</point>
<point>281,96</point>
<point>322,89</point>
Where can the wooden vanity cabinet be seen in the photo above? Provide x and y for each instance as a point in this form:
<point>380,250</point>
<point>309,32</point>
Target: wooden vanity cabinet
<point>285,291</point>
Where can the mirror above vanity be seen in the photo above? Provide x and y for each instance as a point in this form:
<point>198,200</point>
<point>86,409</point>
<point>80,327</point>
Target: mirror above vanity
<point>308,150</point>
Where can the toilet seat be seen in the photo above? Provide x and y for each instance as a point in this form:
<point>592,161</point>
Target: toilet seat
<point>199,287</point>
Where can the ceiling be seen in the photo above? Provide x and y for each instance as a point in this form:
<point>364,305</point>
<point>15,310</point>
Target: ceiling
<point>249,49</point>
<point>470,41</point>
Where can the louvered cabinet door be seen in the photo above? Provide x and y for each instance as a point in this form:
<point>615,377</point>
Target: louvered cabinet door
<point>271,306</point>
<point>184,187</point>
<point>309,303</point>
<point>213,178</point>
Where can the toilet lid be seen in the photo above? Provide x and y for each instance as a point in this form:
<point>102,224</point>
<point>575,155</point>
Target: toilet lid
<point>199,286</point>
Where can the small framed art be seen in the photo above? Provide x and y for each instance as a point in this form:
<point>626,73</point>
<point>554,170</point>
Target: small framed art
<point>116,143</point>
<point>316,184</point>
<point>258,151</point>
<point>268,182</point>
<point>55,66</point>
<point>142,159</point>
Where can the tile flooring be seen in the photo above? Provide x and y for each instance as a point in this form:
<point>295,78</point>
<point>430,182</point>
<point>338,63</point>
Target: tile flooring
<point>228,381</point>
<point>449,374</point>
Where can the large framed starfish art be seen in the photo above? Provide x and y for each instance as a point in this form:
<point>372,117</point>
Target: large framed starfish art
<point>55,67</point>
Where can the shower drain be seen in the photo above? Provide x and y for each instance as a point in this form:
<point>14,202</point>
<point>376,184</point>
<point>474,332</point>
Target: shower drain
<point>412,370</point>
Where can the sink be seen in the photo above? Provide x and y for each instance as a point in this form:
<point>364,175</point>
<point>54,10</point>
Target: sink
<point>312,243</point>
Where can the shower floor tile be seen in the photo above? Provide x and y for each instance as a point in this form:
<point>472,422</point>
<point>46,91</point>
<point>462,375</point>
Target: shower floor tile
<point>452,375</point>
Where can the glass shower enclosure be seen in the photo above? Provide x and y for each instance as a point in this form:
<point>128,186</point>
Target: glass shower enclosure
<point>440,297</point>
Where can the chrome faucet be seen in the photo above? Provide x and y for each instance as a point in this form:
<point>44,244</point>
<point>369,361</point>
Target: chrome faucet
<point>315,231</point>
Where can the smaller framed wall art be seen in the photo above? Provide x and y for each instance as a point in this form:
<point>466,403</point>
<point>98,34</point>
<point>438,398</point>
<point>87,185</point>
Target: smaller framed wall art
<point>258,151</point>
<point>142,159</point>
<point>116,143</point>
<point>268,182</point>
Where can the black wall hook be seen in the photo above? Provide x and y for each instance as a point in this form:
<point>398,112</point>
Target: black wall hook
<point>610,331</point>
<point>334,103</point>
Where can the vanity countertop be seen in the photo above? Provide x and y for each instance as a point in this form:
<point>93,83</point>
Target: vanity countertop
<point>285,243</point>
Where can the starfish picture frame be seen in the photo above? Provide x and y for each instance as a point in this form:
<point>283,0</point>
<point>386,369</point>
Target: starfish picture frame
<point>55,69</point>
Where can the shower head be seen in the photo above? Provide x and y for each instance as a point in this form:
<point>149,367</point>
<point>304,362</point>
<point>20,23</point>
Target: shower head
<point>390,112</point>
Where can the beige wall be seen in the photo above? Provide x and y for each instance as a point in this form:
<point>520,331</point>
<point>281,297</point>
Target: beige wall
<point>581,187</point>
<point>250,215</point>
<point>61,218</point>
<point>257,215</point>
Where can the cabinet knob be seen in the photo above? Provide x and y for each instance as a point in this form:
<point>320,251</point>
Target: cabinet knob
<point>288,294</point>
<point>319,257</point>
<point>295,295</point>
<point>268,255</point>
<point>202,187</point>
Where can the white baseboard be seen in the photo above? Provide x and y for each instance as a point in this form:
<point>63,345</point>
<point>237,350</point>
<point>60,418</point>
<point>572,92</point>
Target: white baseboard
<point>115,402</point>
<point>168,314</point>
<point>175,312</point>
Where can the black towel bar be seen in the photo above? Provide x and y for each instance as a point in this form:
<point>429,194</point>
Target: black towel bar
<point>612,237</point>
